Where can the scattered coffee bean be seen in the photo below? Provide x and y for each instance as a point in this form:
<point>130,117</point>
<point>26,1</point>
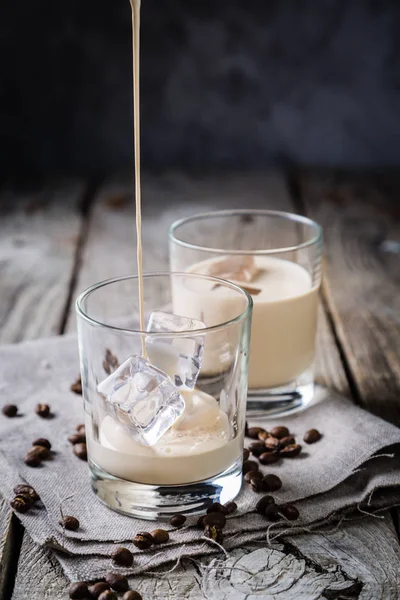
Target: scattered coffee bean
<point>253,475</point>
<point>117,582</point>
<point>257,448</point>
<point>42,442</point>
<point>263,435</point>
<point>290,512</point>
<point>26,490</point>
<point>286,441</point>
<point>78,590</point>
<point>132,595</point>
<point>10,410</point>
<point>98,588</point>
<point>271,483</point>
<point>70,523</point>
<point>40,451</point>
<point>80,450</point>
<point>312,436</point>
<point>253,432</point>
<point>43,410</point>
<point>143,540</point>
<point>21,503</point>
<point>267,458</point>
<point>215,520</point>
<point>214,533</point>
<point>216,507</point>
<point>246,454</point>
<point>32,460</point>
<point>290,451</point>
<point>249,465</point>
<point>200,522</point>
<point>122,557</point>
<point>76,387</point>
<point>77,438</point>
<point>280,432</point>
<point>272,443</point>
<point>177,520</point>
<point>110,362</point>
<point>160,536</point>
<point>231,507</point>
<point>262,504</point>
<point>272,512</point>
<point>108,595</point>
<point>256,485</point>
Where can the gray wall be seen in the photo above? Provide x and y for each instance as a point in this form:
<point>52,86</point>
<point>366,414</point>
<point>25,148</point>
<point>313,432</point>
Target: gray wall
<point>238,83</point>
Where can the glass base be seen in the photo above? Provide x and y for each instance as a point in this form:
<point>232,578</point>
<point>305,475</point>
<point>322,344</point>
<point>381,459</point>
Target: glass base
<point>154,502</point>
<point>279,402</point>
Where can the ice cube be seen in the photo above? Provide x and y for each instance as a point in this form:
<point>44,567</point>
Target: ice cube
<point>142,398</point>
<point>180,357</point>
<point>236,268</point>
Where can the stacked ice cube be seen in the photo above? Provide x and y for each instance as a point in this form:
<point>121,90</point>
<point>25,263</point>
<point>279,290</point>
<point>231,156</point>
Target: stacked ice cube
<point>143,394</point>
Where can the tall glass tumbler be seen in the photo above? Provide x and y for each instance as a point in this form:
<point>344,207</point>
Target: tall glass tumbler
<point>162,436</point>
<point>276,257</point>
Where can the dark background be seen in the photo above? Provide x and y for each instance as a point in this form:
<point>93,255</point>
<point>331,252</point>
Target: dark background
<point>232,84</point>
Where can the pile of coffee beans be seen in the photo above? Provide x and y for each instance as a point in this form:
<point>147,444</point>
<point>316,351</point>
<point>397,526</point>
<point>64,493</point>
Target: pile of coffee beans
<point>272,445</point>
<point>25,497</point>
<point>40,451</point>
<point>214,521</point>
<point>268,508</point>
<point>78,441</point>
<point>106,589</point>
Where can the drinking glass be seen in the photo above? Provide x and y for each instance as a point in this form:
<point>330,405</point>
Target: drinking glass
<point>197,459</point>
<point>276,257</point>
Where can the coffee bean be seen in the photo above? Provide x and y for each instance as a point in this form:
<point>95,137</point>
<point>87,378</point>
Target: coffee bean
<point>43,410</point>
<point>254,431</point>
<point>21,503</point>
<point>287,441</point>
<point>200,522</point>
<point>267,458</point>
<point>117,582</point>
<point>143,540</point>
<point>263,435</point>
<point>10,410</point>
<point>280,432</point>
<point>272,512</point>
<point>249,465</point>
<point>79,428</point>
<point>132,595</point>
<point>253,475</point>
<point>216,507</point>
<point>32,460</point>
<point>70,523</point>
<point>40,451</point>
<point>290,512</point>
<point>263,503</point>
<point>177,520</point>
<point>108,595</point>
<point>122,557</point>
<point>98,588</point>
<point>256,485</point>
<point>290,451</point>
<point>214,533</point>
<point>78,590</point>
<point>42,442</point>
<point>272,443</point>
<point>160,536</point>
<point>271,483</point>
<point>231,507</point>
<point>26,490</point>
<point>77,438</point>
<point>215,520</point>
<point>80,450</point>
<point>246,454</point>
<point>312,436</point>
<point>257,448</point>
<point>76,387</point>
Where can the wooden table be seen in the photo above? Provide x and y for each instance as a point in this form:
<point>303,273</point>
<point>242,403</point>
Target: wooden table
<point>60,237</point>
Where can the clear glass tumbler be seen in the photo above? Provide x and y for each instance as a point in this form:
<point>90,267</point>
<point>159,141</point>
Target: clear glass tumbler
<point>276,257</point>
<point>163,436</point>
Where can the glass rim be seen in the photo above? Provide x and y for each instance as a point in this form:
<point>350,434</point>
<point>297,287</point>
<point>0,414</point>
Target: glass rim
<point>287,216</point>
<point>80,312</point>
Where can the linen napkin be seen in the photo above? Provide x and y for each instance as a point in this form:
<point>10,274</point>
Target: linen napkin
<point>353,469</point>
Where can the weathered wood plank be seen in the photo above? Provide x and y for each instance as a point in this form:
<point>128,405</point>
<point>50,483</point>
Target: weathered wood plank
<point>11,532</point>
<point>362,283</point>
